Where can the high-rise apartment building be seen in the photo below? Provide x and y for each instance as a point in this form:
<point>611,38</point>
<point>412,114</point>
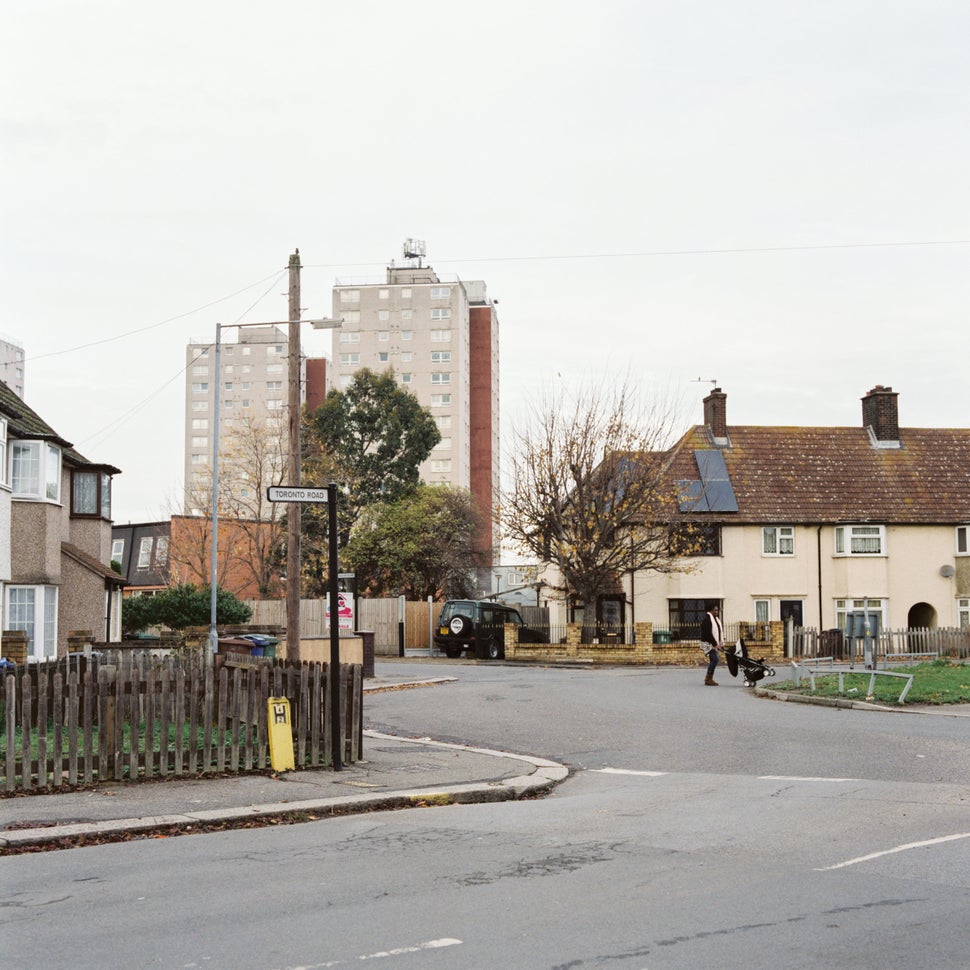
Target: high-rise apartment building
<point>12,365</point>
<point>253,388</point>
<point>440,337</point>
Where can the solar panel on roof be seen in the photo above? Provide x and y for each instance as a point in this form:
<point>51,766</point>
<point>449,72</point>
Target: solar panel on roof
<point>714,492</point>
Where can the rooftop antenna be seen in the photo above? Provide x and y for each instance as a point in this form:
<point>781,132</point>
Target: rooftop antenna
<point>414,249</point>
<point>705,380</point>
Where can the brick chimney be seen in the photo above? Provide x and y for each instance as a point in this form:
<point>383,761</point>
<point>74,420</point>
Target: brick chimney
<point>715,416</point>
<point>880,414</point>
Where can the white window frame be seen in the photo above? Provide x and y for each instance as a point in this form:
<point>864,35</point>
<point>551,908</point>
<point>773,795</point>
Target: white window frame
<point>849,540</point>
<point>405,378</point>
<point>874,606</point>
<point>26,610</point>
<point>4,471</point>
<point>441,313</point>
<point>383,335</point>
<point>383,315</point>
<point>350,296</point>
<point>383,356</point>
<point>440,400</point>
<point>440,377</point>
<point>118,549</point>
<point>440,356</point>
<point>440,292</point>
<point>441,464</point>
<point>145,552</point>
<point>346,360</point>
<point>762,610</point>
<point>43,482</point>
<point>440,336</point>
<point>963,613</point>
<point>963,540</point>
<point>406,334</point>
<point>778,540</point>
<point>201,388</point>
<point>383,294</point>
<point>350,336</point>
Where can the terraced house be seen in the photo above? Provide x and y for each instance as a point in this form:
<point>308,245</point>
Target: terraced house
<point>55,536</point>
<point>821,525</point>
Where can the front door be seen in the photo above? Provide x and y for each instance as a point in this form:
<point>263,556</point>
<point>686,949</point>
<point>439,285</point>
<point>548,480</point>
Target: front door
<point>791,610</point>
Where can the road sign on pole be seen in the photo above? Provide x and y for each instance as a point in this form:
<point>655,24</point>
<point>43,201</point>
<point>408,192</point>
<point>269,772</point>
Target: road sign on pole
<point>295,493</point>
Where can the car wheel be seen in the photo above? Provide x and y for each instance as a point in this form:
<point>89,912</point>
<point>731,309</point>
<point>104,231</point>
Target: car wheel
<point>493,650</point>
<point>453,651</point>
<point>460,626</point>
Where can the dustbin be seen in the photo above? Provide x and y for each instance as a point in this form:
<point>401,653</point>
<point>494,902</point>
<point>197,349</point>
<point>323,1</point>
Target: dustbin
<point>661,636</point>
<point>367,636</point>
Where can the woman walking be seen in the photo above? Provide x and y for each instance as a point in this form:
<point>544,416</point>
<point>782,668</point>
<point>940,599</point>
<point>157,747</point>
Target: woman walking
<point>712,639</point>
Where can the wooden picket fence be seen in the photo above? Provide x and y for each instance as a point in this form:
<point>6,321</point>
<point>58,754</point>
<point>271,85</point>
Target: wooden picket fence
<point>66,725</point>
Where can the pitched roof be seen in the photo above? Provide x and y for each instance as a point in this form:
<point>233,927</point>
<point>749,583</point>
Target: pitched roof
<point>825,475</point>
<point>24,422</point>
<point>92,564</point>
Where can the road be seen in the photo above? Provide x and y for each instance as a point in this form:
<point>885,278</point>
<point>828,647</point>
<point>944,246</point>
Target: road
<point>700,828</point>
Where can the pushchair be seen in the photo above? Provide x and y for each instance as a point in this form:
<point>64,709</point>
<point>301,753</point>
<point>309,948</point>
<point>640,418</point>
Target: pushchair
<point>752,670</point>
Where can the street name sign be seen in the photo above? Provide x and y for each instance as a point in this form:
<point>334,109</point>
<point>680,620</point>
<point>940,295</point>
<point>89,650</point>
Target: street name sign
<point>295,493</point>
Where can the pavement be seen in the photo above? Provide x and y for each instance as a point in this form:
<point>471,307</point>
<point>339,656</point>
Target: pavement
<point>395,773</point>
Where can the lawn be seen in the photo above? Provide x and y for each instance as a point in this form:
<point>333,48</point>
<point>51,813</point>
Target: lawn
<point>939,682</point>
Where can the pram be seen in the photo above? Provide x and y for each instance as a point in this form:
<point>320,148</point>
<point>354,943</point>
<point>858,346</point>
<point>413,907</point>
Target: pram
<point>753,670</point>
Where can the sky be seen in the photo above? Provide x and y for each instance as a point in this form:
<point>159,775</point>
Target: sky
<point>770,195</point>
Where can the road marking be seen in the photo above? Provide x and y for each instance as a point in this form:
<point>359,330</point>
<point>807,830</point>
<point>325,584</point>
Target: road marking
<point>898,848</point>
<point>625,771</point>
<point>430,945</point>
<point>800,778</point>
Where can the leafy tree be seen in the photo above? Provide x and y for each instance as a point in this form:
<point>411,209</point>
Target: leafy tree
<point>371,438</point>
<point>419,546</point>
<point>591,491</point>
<point>180,606</point>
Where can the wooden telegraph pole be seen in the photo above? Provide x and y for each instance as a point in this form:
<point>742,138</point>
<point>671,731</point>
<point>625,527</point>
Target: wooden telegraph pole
<point>294,517</point>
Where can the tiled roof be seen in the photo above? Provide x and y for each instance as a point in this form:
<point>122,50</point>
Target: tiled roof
<point>92,564</point>
<point>24,422</point>
<point>825,475</point>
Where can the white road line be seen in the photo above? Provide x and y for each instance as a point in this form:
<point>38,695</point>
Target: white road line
<point>625,771</point>
<point>898,848</point>
<point>420,947</point>
<point>800,778</point>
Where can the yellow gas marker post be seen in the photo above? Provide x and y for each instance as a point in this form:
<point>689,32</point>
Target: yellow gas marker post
<point>280,734</point>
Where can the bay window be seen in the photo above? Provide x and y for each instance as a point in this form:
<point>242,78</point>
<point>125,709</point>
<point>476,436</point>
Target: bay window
<point>91,493</point>
<point>35,470</point>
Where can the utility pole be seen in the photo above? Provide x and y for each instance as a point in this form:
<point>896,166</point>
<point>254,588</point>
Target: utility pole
<point>294,515</point>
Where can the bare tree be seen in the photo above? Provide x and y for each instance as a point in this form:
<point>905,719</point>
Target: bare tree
<point>592,492</point>
<point>251,529</point>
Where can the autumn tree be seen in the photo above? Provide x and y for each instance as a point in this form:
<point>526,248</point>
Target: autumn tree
<point>591,489</point>
<point>370,438</point>
<point>419,546</point>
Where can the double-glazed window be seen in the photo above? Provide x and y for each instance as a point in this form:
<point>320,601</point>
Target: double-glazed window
<point>963,540</point>
<point>91,493</point>
<point>33,609</point>
<point>860,540</point>
<point>778,540</point>
<point>685,617</point>
<point>35,470</point>
<point>696,539</point>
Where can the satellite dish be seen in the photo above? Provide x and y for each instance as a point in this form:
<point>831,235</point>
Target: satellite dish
<point>947,571</point>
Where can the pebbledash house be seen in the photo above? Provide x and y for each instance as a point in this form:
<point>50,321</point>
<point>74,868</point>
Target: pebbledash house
<point>55,538</point>
<point>817,525</point>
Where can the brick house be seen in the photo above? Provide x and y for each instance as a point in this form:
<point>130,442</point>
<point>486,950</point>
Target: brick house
<point>55,535</point>
<point>819,525</point>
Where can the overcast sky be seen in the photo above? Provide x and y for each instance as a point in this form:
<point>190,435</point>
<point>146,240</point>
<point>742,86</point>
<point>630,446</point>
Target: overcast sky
<point>770,194</point>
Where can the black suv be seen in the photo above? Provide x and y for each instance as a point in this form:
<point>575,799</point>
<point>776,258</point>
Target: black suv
<point>477,626</point>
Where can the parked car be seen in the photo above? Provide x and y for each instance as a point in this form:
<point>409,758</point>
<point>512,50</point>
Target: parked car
<point>478,626</point>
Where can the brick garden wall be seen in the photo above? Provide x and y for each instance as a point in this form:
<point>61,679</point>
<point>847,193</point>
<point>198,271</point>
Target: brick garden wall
<point>770,645</point>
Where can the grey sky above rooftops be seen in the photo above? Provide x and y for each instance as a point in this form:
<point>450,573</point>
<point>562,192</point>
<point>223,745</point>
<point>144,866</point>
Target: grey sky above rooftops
<point>768,194</point>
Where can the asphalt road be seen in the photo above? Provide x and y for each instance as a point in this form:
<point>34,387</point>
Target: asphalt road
<point>701,827</point>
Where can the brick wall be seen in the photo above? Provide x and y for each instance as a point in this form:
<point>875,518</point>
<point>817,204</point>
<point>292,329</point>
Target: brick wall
<point>644,651</point>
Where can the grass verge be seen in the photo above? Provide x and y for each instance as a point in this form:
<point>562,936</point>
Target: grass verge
<point>938,682</point>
